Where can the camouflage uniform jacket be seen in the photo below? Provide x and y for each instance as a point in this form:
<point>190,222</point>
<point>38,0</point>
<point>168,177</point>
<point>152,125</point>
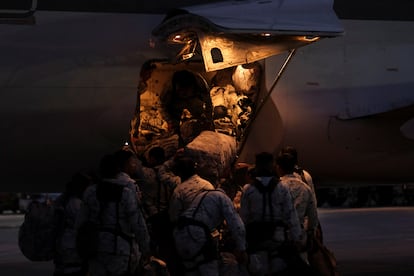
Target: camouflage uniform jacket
<point>157,187</point>
<point>212,208</point>
<point>129,217</point>
<point>251,208</point>
<point>307,178</point>
<point>132,185</point>
<point>184,194</point>
<point>303,199</point>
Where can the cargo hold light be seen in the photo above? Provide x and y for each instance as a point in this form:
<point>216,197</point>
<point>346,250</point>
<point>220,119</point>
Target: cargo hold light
<point>189,40</point>
<point>177,39</point>
<point>182,38</point>
<point>310,38</point>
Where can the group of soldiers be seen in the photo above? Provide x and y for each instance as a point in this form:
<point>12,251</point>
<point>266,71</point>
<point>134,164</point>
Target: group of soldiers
<point>161,213</point>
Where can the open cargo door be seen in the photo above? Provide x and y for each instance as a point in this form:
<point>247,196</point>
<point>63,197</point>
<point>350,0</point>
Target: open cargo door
<point>239,32</point>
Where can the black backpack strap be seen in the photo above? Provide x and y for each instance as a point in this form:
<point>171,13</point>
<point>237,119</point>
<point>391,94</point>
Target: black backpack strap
<point>159,184</point>
<point>266,191</point>
<point>161,187</point>
<point>111,192</point>
<point>201,200</point>
<point>209,250</point>
<point>118,226</point>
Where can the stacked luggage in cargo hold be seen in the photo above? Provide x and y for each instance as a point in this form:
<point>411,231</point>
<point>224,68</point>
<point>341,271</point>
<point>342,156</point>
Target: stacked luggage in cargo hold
<point>227,98</point>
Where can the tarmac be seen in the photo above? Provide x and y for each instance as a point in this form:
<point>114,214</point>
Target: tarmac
<point>365,241</point>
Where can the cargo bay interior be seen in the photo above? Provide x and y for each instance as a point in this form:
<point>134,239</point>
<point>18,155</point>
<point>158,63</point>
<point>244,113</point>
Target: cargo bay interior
<point>212,132</point>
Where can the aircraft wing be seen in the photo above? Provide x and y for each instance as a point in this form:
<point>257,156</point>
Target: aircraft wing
<point>238,32</point>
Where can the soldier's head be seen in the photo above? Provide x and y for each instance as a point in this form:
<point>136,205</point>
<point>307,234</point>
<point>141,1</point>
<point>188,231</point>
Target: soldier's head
<point>184,167</point>
<point>108,167</point>
<point>264,165</point>
<point>127,162</point>
<point>184,84</point>
<point>285,163</point>
<point>291,150</point>
<point>156,156</point>
<point>78,184</point>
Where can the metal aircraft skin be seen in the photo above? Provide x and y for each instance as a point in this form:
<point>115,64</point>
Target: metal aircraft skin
<point>68,85</point>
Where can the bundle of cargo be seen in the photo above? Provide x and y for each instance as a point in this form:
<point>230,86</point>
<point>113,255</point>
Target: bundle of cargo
<point>214,153</point>
<point>207,113</point>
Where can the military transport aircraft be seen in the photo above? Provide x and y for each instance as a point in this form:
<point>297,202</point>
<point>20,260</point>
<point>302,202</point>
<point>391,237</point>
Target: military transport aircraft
<point>340,90</point>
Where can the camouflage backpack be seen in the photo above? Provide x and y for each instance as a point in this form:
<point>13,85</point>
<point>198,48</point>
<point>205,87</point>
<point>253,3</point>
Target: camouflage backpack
<point>39,230</point>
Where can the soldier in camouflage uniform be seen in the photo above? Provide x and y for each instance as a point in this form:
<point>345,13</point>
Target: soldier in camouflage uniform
<point>196,235</point>
<point>189,108</point>
<point>66,259</point>
<point>113,206</point>
<point>302,196</point>
<point>159,183</point>
<point>305,176</point>
<point>157,187</point>
<point>129,167</point>
<point>191,185</point>
<point>299,171</point>
<point>270,218</point>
